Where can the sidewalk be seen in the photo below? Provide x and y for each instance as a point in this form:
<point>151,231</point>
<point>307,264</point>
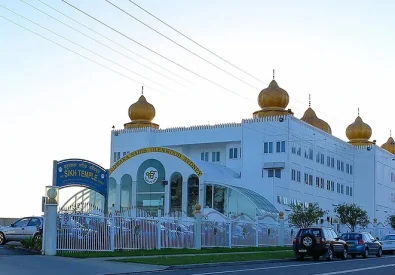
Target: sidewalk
<point>39,265</point>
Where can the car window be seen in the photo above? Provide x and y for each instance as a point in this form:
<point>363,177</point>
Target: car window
<point>371,237</point>
<point>313,231</point>
<point>351,236</point>
<point>328,234</point>
<point>34,222</point>
<point>334,234</point>
<point>22,222</point>
<point>389,238</point>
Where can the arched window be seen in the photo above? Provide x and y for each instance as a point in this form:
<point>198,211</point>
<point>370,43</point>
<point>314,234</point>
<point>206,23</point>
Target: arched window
<point>193,194</point>
<point>126,192</point>
<point>112,193</point>
<point>175,192</point>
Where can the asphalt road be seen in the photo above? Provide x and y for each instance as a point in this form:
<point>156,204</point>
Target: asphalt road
<point>372,265</point>
<point>5,251</point>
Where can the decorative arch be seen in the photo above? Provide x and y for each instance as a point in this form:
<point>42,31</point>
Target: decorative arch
<point>176,187</point>
<point>126,192</point>
<point>162,150</point>
<point>193,193</point>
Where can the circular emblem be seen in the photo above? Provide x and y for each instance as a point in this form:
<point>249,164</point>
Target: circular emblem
<point>102,176</point>
<point>151,175</point>
<point>60,169</point>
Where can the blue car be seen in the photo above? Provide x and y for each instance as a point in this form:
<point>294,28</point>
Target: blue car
<point>362,244</point>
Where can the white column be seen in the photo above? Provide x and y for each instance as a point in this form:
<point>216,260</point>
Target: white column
<point>50,219</point>
<point>118,196</point>
<point>167,199</point>
<point>185,197</point>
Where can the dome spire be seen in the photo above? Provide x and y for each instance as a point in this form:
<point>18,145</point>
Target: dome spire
<point>358,111</point>
<point>273,74</point>
<point>142,90</point>
<point>309,101</point>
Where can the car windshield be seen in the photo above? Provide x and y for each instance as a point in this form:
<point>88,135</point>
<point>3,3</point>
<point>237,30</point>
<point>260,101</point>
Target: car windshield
<point>351,236</point>
<point>315,232</point>
<point>389,238</point>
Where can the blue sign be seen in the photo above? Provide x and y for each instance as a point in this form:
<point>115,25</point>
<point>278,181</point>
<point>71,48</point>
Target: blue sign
<point>79,172</point>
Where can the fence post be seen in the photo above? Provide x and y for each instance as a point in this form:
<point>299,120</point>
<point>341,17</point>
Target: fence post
<point>198,227</point>
<point>159,231</point>
<point>281,233</point>
<point>230,233</point>
<point>257,231</point>
<point>112,230</point>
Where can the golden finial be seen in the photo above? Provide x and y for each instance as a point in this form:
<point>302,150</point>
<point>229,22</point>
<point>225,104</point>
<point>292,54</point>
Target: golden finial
<point>390,133</point>
<point>358,111</point>
<point>142,90</point>
<point>273,74</point>
<point>309,100</point>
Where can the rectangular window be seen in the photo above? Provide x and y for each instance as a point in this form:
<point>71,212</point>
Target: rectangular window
<point>233,153</point>
<point>306,178</point>
<point>283,146</point>
<point>270,173</point>
<point>328,161</point>
<point>322,158</point>
<point>293,176</point>
<point>332,186</point>
<point>218,156</point>
<point>338,188</point>
<point>351,191</point>
<point>342,189</point>
<point>328,185</point>
<point>311,154</point>
<point>338,164</point>
<point>268,147</point>
<point>298,176</point>
<point>350,169</point>
<point>333,162</point>
<point>317,182</point>
<point>293,148</point>
<point>213,157</point>
<point>322,183</point>
<point>347,190</point>
<point>310,179</point>
<point>342,166</point>
<point>205,156</point>
<point>306,154</point>
<point>278,173</point>
<point>124,154</point>
<point>115,156</point>
<point>299,151</point>
<point>347,168</point>
<point>278,147</point>
<point>202,156</point>
<point>118,156</point>
<point>317,158</point>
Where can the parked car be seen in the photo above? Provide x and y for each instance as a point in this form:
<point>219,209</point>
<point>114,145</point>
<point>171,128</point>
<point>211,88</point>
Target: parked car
<point>28,227</point>
<point>317,242</point>
<point>388,243</point>
<point>362,244</point>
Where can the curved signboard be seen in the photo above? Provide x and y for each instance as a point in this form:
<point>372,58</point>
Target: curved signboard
<point>80,172</point>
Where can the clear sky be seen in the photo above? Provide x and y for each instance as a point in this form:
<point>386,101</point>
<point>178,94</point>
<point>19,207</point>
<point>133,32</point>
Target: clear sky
<point>55,104</point>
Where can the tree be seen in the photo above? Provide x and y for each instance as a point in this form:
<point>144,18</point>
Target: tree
<point>302,216</point>
<point>391,221</point>
<point>352,215</point>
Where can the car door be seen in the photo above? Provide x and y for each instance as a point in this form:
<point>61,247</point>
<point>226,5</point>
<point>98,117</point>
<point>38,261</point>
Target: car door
<point>337,246</point>
<point>369,243</point>
<point>17,229</point>
<point>375,243</point>
<point>32,227</point>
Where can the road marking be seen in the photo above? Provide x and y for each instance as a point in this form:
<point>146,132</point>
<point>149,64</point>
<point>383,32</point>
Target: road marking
<point>356,270</point>
<point>286,266</point>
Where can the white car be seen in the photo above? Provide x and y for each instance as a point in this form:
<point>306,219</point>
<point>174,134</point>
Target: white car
<point>28,227</point>
<point>388,243</point>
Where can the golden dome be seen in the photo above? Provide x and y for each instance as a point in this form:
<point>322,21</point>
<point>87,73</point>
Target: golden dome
<point>359,132</point>
<point>389,145</point>
<point>273,100</point>
<point>311,118</point>
<point>273,96</point>
<point>141,114</point>
<point>142,110</point>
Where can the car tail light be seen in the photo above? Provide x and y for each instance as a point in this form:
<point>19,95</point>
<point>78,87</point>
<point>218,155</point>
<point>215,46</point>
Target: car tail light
<point>295,241</point>
<point>360,242</point>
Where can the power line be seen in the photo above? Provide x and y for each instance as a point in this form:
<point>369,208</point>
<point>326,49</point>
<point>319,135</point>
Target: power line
<point>116,43</point>
<point>87,58</point>
<point>190,39</point>
<point>178,44</point>
<point>100,43</point>
<point>86,48</point>
<point>175,63</point>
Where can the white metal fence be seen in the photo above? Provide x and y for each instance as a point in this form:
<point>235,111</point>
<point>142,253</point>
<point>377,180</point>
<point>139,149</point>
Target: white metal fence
<point>93,232</point>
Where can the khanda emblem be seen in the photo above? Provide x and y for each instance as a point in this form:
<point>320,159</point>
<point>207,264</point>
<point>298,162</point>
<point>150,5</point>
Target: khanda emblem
<point>150,175</point>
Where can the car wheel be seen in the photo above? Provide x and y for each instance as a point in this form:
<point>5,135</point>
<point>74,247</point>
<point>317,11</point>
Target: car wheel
<point>2,238</point>
<point>366,253</point>
<point>329,254</point>
<point>380,253</point>
<point>344,255</point>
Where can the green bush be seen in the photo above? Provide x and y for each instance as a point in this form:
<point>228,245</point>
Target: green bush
<point>34,243</point>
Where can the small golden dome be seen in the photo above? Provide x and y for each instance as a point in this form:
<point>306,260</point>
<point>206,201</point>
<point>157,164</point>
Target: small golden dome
<point>273,96</point>
<point>359,132</point>
<point>311,118</point>
<point>142,110</point>
<point>389,145</point>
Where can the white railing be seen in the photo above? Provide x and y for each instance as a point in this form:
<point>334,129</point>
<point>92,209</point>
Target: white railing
<point>92,232</point>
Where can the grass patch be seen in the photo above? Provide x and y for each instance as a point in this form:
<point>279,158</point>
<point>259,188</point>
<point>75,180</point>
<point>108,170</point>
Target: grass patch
<point>204,259</point>
<point>168,251</point>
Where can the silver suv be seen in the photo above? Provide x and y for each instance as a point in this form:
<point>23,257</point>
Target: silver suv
<point>28,227</point>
